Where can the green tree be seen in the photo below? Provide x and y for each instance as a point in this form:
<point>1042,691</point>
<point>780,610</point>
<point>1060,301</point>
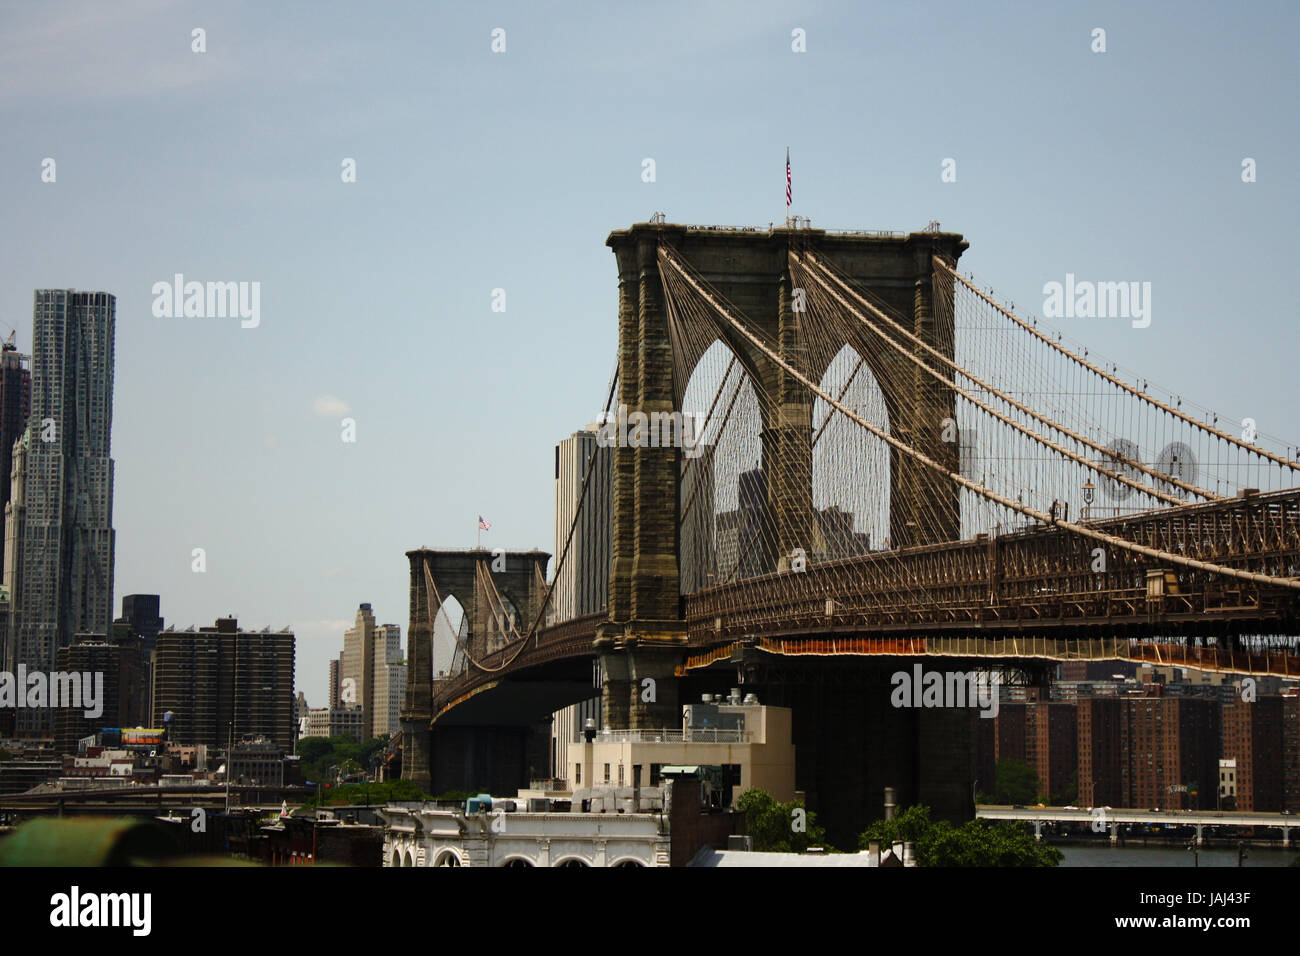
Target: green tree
<point>311,749</point>
<point>1015,781</point>
<point>974,843</point>
<point>779,827</point>
<point>319,754</point>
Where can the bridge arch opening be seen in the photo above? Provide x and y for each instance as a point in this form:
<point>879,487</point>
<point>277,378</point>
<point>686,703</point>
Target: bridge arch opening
<point>722,497</point>
<point>450,630</point>
<point>851,468</point>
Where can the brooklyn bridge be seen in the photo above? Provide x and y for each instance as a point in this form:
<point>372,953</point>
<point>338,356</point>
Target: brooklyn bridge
<point>891,464</point>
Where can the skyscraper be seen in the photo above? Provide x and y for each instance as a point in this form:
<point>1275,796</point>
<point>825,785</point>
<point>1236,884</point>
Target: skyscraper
<point>142,616</point>
<point>144,613</point>
<point>372,674</point>
<point>15,406</point>
<point>698,548</point>
<point>65,586</point>
<point>582,585</point>
<point>15,526</point>
<point>390,680</point>
<point>357,672</point>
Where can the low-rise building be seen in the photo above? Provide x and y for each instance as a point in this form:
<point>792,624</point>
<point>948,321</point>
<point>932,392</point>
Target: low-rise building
<point>657,826</point>
<point>335,722</point>
<point>257,762</point>
<point>749,745</point>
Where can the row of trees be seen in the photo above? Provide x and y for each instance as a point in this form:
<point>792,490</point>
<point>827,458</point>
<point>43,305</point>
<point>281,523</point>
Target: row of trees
<point>326,759</point>
<point>791,828</point>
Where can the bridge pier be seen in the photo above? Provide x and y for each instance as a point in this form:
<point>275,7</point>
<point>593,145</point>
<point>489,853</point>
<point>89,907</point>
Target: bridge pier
<point>1114,834</point>
<point>1200,840</point>
<point>1286,837</point>
<point>496,760</point>
<point>415,752</point>
<point>615,690</point>
<point>654,699</point>
<point>1038,830</point>
<point>851,742</point>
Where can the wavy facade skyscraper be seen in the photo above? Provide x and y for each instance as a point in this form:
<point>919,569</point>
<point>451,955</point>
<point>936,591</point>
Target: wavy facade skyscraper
<point>65,583</point>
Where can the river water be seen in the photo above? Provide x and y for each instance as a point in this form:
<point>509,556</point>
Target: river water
<point>1173,856</point>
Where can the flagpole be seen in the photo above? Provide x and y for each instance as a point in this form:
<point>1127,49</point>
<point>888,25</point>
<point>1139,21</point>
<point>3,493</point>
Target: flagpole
<point>787,186</point>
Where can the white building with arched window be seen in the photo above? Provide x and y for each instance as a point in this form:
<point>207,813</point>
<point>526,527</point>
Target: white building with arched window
<point>415,836</point>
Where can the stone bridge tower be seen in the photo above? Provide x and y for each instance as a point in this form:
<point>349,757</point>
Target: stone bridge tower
<point>645,634</point>
<point>455,574</point>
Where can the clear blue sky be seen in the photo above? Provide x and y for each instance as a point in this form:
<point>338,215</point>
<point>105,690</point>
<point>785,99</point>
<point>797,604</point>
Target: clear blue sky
<point>478,170</point>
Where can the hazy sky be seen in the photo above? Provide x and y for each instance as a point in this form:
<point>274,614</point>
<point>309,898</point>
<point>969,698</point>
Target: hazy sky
<point>479,170</point>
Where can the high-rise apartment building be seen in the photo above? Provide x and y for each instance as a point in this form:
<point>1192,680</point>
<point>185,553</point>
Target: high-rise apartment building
<point>1099,751</point>
<point>1168,750</point>
<point>1252,736</point>
<point>65,582</point>
<point>121,696</point>
<point>1052,748</point>
<point>221,684</point>
<point>1291,752</point>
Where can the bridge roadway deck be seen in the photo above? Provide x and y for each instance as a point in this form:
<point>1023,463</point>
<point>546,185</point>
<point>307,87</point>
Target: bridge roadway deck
<point>1027,595</point>
<point>1180,817</point>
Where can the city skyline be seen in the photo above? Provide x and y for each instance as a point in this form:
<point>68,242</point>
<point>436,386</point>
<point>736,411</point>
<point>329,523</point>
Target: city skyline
<point>1040,193</point>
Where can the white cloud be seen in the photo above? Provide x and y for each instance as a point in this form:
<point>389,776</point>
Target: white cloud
<point>329,406</point>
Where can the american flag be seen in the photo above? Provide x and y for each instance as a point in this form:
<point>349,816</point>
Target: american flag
<point>787,177</point>
<point>484,525</point>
